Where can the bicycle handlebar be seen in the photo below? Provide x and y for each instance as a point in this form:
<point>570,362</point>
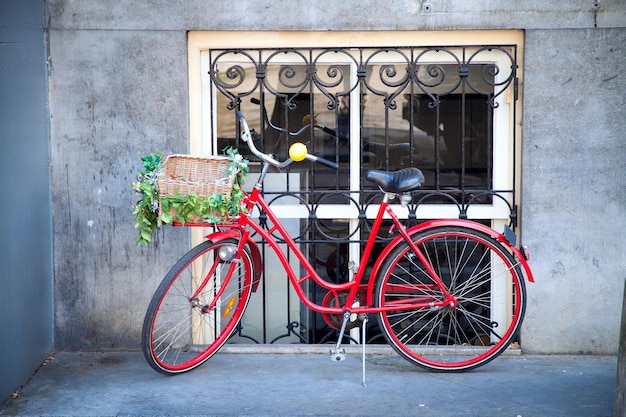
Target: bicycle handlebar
<point>301,150</point>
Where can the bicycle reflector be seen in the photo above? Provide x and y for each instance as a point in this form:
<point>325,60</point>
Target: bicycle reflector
<point>229,307</point>
<point>297,151</point>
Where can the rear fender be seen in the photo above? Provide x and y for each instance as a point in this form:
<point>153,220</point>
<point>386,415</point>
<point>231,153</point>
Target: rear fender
<point>451,222</point>
<point>253,248</point>
<point>486,230</point>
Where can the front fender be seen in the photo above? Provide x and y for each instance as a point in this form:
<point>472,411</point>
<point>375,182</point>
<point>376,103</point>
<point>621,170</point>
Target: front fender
<point>451,222</point>
<point>253,248</point>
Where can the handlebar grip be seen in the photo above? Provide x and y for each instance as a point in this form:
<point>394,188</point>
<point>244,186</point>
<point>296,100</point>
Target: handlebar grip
<point>241,120</point>
<point>298,152</point>
<point>322,161</point>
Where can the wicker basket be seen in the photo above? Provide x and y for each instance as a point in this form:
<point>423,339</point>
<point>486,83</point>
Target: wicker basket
<point>187,174</point>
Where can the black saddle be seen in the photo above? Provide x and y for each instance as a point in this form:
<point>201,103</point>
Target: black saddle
<point>401,181</point>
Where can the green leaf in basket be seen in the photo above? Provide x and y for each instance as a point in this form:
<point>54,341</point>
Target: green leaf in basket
<point>214,201</point>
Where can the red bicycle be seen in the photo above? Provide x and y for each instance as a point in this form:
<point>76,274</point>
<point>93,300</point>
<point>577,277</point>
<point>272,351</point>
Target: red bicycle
<point>449,294</point>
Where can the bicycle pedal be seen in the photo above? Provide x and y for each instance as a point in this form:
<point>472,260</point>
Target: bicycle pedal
<point>337,355</point>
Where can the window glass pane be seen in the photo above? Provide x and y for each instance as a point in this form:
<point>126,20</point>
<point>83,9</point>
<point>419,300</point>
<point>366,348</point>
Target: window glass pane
<point>440,124</point>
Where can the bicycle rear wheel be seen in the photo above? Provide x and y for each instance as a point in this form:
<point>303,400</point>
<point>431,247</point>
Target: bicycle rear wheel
<point>197,307</point>
<point>483,276</point>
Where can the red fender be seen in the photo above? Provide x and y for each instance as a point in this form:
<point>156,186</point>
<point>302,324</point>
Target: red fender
<point>253,248</point>
<point>451,222</point>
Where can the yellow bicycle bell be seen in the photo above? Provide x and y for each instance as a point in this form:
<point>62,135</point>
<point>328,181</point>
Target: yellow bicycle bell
<point>297,151</point>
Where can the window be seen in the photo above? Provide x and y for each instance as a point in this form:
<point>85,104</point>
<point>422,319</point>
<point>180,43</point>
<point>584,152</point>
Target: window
<point>444,106</point>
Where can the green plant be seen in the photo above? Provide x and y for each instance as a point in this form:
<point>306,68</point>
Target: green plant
<point>146,209</point>
<point>181,208</point>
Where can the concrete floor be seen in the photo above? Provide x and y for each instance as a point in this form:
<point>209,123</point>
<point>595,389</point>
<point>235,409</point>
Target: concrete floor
<point>286,383</point>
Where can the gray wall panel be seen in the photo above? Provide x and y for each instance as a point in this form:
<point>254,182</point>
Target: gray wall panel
<point>26,314</point>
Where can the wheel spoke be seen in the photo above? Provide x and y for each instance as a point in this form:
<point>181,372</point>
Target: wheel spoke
<point>478,272</point>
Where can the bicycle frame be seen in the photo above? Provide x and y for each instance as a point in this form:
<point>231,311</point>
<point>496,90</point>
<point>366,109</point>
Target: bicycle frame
<point>353,287</point>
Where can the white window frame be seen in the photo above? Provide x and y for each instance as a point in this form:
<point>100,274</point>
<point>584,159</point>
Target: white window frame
<point>506,118</point>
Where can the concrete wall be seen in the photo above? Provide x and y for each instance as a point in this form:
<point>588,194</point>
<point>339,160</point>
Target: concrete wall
<point>26,321</point>
<point>115,96</point>
<point>573,196</point>
<point>119,90</point>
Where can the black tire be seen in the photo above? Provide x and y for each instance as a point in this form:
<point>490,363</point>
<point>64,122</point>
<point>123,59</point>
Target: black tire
<point>486,281</point>
<point>180,331</point>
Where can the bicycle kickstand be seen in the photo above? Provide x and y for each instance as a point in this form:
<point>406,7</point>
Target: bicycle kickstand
<point>363,340</point>
<point>338,353</point>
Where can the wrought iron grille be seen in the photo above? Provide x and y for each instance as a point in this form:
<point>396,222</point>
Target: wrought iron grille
<point>431,107</point>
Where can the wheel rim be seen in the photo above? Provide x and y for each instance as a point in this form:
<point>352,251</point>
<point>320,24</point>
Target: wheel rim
<point>486,284</point>
<point>185,330</point>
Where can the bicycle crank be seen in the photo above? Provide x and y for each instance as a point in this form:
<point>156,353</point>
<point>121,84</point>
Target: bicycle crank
<point>336,320</point>
<point>338,353</point>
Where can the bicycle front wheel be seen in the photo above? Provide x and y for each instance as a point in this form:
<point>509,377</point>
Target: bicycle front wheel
<point>479,272</point>
<point>197,307</point>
